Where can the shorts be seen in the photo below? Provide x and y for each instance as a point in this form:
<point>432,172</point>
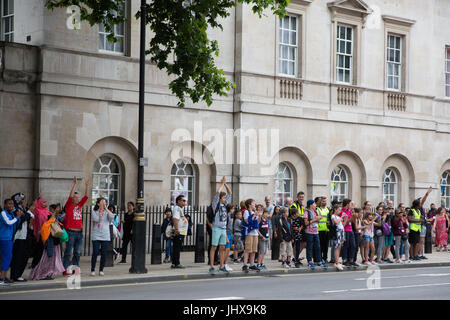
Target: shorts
<point>389,240</point>
<point>263,246</point>
<point>423,231</point>
<point>251,244</point>
<point>286,249</point>
<point>414,237</point>
<point>219,237</point>
<point>368,239</point>
<point>238,244</point>
<point>230,241</point>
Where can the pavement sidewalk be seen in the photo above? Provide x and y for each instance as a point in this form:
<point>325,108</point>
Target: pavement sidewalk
<point>119,273</point>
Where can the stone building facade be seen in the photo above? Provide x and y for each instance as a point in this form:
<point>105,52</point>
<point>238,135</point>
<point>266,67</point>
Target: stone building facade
<point>358,93</point>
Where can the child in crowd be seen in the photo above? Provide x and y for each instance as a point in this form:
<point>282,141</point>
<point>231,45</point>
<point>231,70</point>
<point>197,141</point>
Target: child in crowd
<point>337,220</point>
<point>399,227</point>
<point>298,224</point>
<point>284,230</point>
<point>251,220</point>
<point>237,237</point>
<point>369,221</point>
<point>263,241</point>
<point>230,213</point>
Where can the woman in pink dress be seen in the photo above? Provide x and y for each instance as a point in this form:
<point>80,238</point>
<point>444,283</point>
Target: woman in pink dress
<point>440,228</point>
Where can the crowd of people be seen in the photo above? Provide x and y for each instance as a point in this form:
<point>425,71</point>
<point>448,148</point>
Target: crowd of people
<point>379,235</point>
<point>41,231</point>
<point>340,229</point>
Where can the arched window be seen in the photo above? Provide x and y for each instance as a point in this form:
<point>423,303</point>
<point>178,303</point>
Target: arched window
<point>106,180</point>
<point>183,181</point>
<point>339,184</point>
<point>283,184</point>
<point>445,189</point>
<point>390,186</point>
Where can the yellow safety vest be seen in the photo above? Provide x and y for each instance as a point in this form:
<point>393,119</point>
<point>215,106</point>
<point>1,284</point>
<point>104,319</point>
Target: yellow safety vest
<point>323,222</point>
<point>413,225</point>
<point>299,208</point>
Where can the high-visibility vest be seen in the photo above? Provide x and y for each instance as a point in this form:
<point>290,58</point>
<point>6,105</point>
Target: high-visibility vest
<point>414,226</point>
<point>323,222</point>
<point>299,208</point>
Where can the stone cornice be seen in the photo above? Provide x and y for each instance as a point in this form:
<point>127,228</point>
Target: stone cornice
<point>399,21</point>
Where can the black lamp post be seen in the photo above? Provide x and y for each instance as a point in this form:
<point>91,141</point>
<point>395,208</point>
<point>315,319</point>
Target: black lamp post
<point>139,225</point>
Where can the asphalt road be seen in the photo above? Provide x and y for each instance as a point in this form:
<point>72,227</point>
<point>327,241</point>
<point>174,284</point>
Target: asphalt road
<point>404,284</point>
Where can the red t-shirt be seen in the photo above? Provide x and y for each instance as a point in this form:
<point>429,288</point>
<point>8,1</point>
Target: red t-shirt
<point>73,219</point>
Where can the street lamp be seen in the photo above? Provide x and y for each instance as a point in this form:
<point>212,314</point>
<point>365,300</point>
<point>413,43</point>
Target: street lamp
<point>139,227</point>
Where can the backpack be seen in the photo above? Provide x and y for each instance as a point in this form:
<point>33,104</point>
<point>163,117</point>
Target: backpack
<point>386,229</point>
<point>210,214</point>
<point>332,234</point>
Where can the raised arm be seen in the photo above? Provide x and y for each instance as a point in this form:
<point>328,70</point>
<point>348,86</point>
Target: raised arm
<point>87,187</point>
<point>74,187</point>
<point>424,198</point>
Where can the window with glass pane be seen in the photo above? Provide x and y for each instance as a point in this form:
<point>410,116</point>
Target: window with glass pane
<point>7,20</point>
<point>389,186</point>
<point>106,179</point>
<point>283,184</point>
<point>339,184</point>
<point>119,31</point>
<point>447,72</point>
<point>394,62</point>
<point>288,45</point>
<point>183,181</point>
<point>445,190</point>
<point>344,58</point>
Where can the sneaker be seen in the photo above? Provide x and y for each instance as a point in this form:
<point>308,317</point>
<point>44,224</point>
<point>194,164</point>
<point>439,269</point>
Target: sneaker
<point>332,261</point>
<point>354,264</point>
<point>236,261</point>
<point>122,262</point>
<point>3,283</point>
<point>285,265</point>
<point>244,267</point>
<point>311,266</point>
<point>253,267</point>
<point>408,261</point>
<point>223,269</point>
<point>228,268</point>
<point>101,273</point>
<point>92,273</point>
<point>338,267</point>
<point>67,273</point>
<point>212,271</point>
<point>49,277</point>
<point>179,266</point>
<point>398,261</point>
<point>365,262</point>
<point>324,265</point>
<point>263,266</point>
<point>423,258</point>
<point>20,280</point>
<point>172,266</point>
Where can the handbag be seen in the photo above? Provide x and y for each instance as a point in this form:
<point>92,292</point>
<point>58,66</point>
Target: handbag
<point>386,229</point>
<point>64,237</point>
<point>55,230</point>
<point>169,231</point>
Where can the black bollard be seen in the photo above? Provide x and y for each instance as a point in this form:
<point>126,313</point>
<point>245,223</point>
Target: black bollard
<point>109,262</point>
<point>156,245</point>
<point>428,243</point>
<point>200,244</point>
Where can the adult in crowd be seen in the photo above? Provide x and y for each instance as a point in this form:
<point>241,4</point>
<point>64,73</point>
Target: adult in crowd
<point>8,223</point>
<point>41,214</point>
<point>74,226</point>
<point>323,211</point>
<point>101,218</point>
<point>21,244</point>
<point>50,264</point>
<point>348,249</point>
<point>180,225</point>
<point>127,225</point>
<point>416,219</point>
<point>312,219</point>
<point>219,225</point>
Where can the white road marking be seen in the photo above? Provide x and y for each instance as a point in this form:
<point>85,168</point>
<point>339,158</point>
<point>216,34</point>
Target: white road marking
<point>334,291</point>
<point>225,298</point>
<point>411,276</point>
<point>398,287</point>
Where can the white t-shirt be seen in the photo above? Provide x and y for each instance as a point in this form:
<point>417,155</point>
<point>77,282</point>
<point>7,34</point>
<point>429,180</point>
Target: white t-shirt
<point>254,232</point>
<point>182,222</point>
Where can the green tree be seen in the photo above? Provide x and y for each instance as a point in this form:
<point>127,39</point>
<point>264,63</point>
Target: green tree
<point>179,26</point>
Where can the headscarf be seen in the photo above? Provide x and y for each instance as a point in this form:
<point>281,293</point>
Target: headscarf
<point>40,217</point>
